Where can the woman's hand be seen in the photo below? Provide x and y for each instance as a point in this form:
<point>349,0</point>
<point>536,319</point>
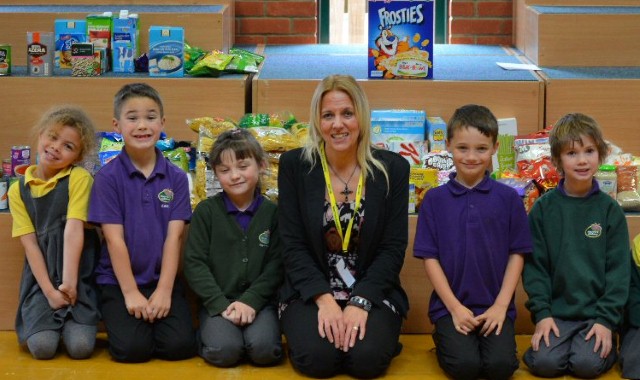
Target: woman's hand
<point>240,314</point>
<point>355,326</point>
<point>543,328</point>
<point>330,319</point>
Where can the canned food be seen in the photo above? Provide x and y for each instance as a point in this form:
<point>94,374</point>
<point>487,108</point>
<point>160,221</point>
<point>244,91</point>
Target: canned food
<point>6,167</point>
<point>20,155</point>
<point>4,189</point>
<point>5,59</point>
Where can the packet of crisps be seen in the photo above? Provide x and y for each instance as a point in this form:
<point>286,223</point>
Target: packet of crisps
<point>211,65</point>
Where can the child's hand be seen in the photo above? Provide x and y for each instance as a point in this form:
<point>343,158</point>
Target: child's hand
<point>136,305</point>
<point>492,319</point>
<point>239,313</point>
<point>543,329</point>
<point>603,339</point>
<point>71,292</point>
<point>159,304</point>
<point>463,320</point>
<point>57,299</point>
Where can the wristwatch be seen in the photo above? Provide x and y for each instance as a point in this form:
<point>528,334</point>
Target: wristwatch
<point>360,302</point>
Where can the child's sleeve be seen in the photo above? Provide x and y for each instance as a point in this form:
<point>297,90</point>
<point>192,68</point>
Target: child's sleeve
<point>22,224</point>
<point>80,183</point>
<point>535,276</point>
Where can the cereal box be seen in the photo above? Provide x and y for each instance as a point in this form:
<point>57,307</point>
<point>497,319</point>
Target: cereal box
<point>166,51</point>
<point>400,41</point>
<point>124,42</point>
<point>437,134</point>
<point>68,32</point>
<point>401,131</point>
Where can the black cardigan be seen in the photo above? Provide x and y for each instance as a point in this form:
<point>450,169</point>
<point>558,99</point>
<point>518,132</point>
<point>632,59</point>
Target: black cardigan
<point>382,241</point>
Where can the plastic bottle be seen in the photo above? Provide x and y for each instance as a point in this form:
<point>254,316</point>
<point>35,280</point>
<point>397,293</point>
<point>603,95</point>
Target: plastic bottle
<point>608,180</point>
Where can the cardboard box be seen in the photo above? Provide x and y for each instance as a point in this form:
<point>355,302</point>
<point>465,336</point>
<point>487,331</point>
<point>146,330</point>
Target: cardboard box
<point>166,51</point>
<point>401,131</point>
<point>67,33</point>
<point>437,134</point>
<point>400,39</point>
<point>124,42</point>
<point>99,32</point>
<point>83,61</point>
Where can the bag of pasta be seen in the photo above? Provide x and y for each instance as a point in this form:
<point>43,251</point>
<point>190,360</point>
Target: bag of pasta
<point>274,139</point>
<point>628,196</point>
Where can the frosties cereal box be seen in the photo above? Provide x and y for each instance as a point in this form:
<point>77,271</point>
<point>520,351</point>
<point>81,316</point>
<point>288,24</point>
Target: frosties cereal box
<point>400,42</point>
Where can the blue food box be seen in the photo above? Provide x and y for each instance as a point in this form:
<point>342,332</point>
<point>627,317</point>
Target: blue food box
<point>437,134</point>
<point>400,41</point>
<point>124,42</point>
<point>400,131</point>
<point>67,33</point>
<point>166,51</point>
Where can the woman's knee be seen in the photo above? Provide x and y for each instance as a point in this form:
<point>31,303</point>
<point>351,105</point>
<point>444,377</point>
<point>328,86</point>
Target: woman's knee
<point>318,363</point>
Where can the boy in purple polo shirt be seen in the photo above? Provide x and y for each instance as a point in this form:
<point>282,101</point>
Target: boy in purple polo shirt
<point>472,233</point>
<point>141,201</point>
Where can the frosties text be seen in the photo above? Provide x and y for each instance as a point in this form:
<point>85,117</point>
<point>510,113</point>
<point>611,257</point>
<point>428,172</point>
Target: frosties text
<point>410,15</point>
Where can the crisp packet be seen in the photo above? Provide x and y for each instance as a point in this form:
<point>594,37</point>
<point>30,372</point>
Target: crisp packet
<point>211,65</point>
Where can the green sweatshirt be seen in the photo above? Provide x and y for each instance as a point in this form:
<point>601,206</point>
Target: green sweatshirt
<point>222,264</point>
<point>579,268</point>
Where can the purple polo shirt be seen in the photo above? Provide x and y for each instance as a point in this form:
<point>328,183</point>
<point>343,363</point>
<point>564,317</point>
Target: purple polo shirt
<point>144,206</point>
<point>243,217</point>
<point>472,232</point>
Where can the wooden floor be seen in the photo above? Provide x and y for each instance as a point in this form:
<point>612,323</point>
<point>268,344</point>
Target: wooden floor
<point>417,361</point>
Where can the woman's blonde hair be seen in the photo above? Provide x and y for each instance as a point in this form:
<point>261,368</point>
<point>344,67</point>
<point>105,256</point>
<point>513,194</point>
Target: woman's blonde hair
<point>349,86</point>
<point>74,117</point>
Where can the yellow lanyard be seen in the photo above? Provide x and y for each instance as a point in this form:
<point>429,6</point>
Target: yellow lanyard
<point>334,205</point>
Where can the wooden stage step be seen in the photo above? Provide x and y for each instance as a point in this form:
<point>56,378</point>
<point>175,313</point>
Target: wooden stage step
<point>417,361</point>
<point>206,26</point>
<point>551,35</point>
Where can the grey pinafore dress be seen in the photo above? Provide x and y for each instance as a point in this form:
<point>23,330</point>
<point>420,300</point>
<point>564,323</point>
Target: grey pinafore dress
<point>49,215</point>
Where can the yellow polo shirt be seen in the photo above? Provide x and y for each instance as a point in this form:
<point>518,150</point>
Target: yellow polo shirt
<point>80,182</point>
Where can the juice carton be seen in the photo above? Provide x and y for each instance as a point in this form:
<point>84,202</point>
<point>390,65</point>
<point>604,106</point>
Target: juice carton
<point>124,42</point>
<point>401,39</point>
<point>99,31</point>
<point>401,131</point>
<point>166,51</point>
<point>68,32</point>
<point>437,134</point>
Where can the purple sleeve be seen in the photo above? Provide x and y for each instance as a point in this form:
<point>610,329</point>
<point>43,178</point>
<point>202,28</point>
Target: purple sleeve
<point>105,203</point>
<point>182,208</point>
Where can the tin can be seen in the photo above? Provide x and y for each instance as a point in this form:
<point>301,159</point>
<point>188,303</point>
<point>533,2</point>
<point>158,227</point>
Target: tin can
<point>40,51</point>
<point>5,59</point>
<point>20,155</point>
<point>6,167</point>
<point>4,189</point>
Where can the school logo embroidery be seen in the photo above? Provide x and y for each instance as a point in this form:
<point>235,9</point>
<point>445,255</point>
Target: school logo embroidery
<point>263,238</point>
<point>593,231</point>
<point>165,196</point>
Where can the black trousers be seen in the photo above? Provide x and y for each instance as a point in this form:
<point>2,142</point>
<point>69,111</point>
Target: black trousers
<point>315,356</point>
<point>134,340</point>
<point>475,356</point>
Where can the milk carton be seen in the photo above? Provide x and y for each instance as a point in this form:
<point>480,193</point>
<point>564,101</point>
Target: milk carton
<point>67,33</point>
<point>124,42</point>
<point>166,51</point>
<point>401,39</point>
